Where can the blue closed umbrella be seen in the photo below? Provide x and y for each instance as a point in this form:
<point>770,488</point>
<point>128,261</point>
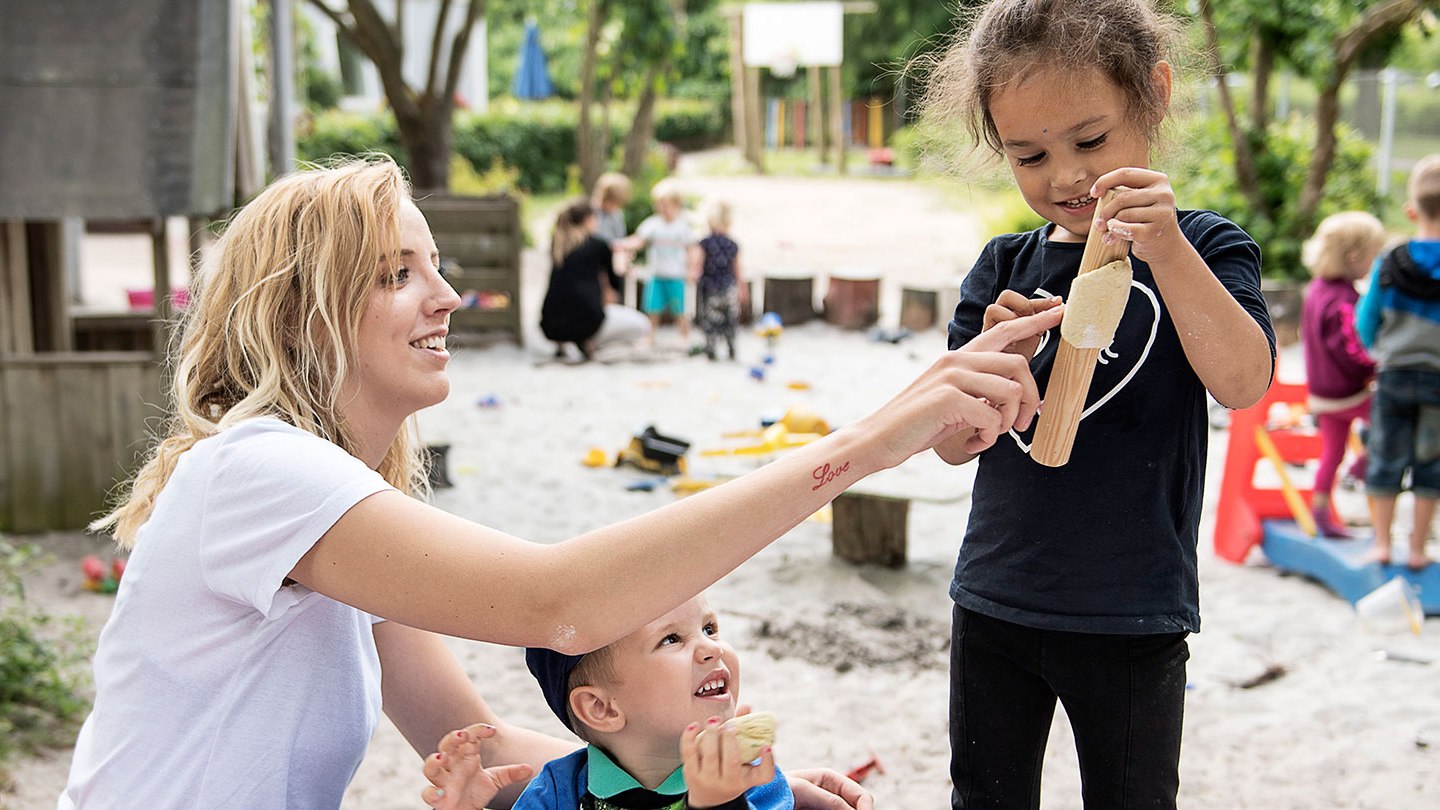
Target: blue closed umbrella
<point>532,77</point>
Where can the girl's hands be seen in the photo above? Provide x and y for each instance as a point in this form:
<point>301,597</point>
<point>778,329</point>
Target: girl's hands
<point>458,781</point>
<point>1143,212</point>
<point>714,773</point>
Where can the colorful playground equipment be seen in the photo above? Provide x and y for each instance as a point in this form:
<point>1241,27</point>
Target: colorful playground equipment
<point>1278,519</point>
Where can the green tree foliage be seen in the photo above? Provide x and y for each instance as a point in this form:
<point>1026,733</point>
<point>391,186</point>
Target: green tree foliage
<point>1319,40</point>
<point>879,45</point>
<point>1208,169</point>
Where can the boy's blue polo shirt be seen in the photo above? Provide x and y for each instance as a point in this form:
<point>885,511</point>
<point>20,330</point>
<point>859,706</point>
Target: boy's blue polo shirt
<point>564,782</point>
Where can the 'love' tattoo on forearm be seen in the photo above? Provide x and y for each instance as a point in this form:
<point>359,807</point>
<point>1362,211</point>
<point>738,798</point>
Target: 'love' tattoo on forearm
<point>824,474</point>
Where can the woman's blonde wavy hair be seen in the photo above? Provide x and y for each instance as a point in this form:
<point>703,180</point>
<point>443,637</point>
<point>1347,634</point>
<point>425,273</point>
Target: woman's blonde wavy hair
<point>278,301</point>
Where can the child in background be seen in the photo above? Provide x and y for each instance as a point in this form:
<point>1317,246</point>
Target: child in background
<point>612,194</point>
<point>720,288</point>
<point>1338,372</point>
<point>670,243</point>
<point>1080,583</point>
<point>640,703</point>
<point>1399,321</point>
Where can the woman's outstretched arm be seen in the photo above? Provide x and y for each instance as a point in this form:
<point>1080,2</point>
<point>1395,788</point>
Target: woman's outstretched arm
<point>396,557</point>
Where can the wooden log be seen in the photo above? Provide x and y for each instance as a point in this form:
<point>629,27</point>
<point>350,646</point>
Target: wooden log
<point>852,303</point>
<point>790,297</point>
<point>870,529</point>
<point>919,308</point>
<point>1070,376</point>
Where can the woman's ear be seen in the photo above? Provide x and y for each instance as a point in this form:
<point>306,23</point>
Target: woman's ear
<point>595,709</point>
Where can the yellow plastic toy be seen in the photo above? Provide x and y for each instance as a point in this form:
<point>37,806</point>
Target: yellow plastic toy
<point>798,426</point>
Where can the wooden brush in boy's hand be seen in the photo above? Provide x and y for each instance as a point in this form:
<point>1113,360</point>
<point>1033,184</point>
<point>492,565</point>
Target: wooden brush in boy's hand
<point>1092,313</point>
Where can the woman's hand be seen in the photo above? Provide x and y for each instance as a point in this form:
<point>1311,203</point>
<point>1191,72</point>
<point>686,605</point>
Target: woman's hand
<point>985,385</point>
<point>714,773</point>
<point>1011,305</point>
<point>1143,212</point>
<point>458,781</point>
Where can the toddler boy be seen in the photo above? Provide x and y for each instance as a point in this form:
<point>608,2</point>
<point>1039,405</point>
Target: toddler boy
<point>641,704</point>
<point>1398,319</point>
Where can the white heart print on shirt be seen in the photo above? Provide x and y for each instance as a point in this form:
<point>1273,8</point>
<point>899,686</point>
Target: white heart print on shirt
<point>1106,355</point>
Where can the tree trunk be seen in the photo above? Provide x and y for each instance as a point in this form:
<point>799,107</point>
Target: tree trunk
<point>1378,21</point>
<point>1260,98</point>
<point>427,139</point>
<point>1246,176</point>
<point>642,130</point>
<point>585,146</point>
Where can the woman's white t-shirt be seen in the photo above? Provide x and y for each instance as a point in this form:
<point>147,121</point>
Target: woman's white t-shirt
<point>217,685</point>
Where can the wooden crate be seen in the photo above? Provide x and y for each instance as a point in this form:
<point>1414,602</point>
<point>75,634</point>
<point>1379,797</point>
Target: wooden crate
<point>74,425</point>
<point>479,240</point>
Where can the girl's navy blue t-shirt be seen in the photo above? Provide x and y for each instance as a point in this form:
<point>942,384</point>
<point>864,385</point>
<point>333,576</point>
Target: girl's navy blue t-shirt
<point>1106,543</point>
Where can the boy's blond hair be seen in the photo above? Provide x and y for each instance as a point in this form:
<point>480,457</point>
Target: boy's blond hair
<point>595,669</point>
<point>1327,252</point>
<point>667,189</point>
<point>1424,189</point>
<point>717,215</point>
<point>612,187</point>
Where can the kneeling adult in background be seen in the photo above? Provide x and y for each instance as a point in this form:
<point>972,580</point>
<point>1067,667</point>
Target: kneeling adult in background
<point>582,305</point>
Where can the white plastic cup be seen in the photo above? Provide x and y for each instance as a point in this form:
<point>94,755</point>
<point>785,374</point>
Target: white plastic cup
<point>1392,608</point>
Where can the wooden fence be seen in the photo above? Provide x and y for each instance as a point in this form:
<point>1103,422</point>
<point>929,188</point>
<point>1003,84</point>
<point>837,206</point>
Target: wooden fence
<point>72,425</point>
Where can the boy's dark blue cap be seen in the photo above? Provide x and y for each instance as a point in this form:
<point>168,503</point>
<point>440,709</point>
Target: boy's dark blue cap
<point>552,669</point>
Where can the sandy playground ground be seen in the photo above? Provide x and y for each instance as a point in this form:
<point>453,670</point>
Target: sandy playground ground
<point>853,659</point>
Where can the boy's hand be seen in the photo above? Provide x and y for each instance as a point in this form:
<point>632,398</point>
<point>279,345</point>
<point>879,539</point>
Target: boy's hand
<point>714,774</point>
<point>1011,305</point>
<point>458,781</point>
<point>1143,212</point>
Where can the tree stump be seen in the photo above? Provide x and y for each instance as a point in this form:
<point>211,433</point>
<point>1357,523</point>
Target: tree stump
<point>918,308</point>
<point>747,307</point>
<point>870,529</point>
<point>792,298</point>
<point>852,303</point>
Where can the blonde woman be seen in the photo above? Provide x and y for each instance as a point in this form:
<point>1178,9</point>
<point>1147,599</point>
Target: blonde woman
<point>286,584</point>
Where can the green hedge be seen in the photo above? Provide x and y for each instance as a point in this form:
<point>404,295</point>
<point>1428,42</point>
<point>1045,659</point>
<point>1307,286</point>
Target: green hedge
<point>537,140</point>
<point>1204,177</point>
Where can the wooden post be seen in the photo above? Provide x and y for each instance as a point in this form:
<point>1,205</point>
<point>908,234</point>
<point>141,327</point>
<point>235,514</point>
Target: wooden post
<point>754,136</point>
<point>164,308</point>
<point>20,336</point>
<point>792,298</point>
<point>817,111</point>
<point>870,529</point>
<point>837,119</point>
<point>919,309</point>
<point>739,106</point>
<point>852,302</point>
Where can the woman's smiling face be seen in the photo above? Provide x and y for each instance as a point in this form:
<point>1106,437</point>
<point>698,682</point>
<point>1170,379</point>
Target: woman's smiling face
<point>400,353</point>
